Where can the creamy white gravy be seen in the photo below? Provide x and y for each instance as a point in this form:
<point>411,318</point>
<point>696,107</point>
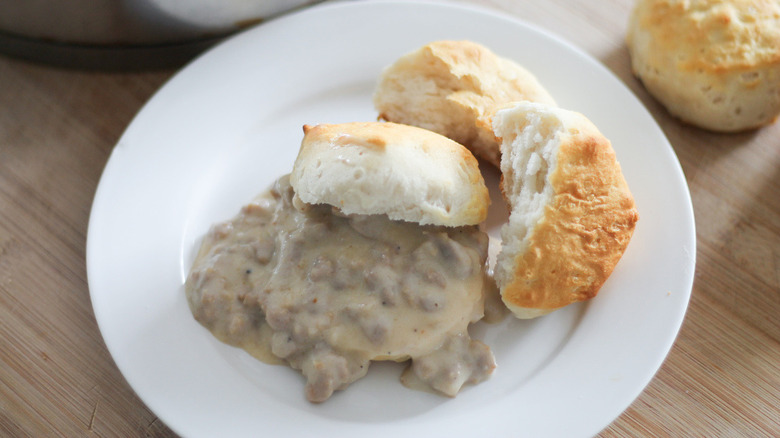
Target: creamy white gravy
<point>326,294</point>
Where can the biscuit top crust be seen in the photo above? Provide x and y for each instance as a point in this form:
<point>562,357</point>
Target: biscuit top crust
<point>713,35</point>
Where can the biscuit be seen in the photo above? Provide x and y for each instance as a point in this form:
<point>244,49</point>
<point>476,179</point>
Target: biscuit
<point>712,63</point>
<point>406,172</point>
<point>572,214</point>
<point>453,88</point>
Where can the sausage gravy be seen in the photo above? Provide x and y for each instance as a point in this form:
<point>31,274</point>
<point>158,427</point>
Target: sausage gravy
<point>326,293</point>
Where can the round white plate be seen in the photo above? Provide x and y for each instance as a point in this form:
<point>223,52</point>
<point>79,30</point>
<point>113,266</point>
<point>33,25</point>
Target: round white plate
<point>225,127</point>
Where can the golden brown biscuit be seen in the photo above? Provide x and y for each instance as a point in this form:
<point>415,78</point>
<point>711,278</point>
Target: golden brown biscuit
<point>453,88</point>
<point>712,63</point>
<point>572,214</point>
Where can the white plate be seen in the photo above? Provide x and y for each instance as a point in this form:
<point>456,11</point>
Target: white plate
<point>230,123</point>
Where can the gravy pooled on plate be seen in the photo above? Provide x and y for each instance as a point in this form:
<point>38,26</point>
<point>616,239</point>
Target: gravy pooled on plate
<point>327,293</point>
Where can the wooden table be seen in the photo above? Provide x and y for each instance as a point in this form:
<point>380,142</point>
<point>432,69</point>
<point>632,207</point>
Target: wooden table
<point>58,127</point>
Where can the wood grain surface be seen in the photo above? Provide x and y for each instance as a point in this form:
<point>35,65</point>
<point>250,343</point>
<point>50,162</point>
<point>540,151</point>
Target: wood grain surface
<point>58,127</point>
